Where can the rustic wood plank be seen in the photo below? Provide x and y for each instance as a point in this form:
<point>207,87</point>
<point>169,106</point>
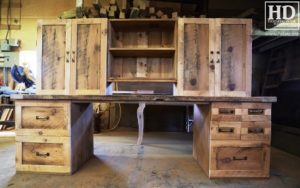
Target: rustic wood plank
<point>149,98</point>
<point>82,144</point>
<point>53,59</point>
<point>201,132</point>
<point>167,68</point>
<point>88,56</point>
<point>116,67</point>
<point>195,40</point>
<point>141,67</point>
<point>154,68</point>
<point>167,39</point>
<point>155,39</point>
<point>232,67</point>
<point>129,68</point>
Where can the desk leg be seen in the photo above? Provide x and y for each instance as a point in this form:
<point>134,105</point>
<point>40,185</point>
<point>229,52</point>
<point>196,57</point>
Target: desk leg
<point>140,117</point>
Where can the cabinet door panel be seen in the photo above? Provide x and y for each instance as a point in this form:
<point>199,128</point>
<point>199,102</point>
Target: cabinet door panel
<point>89,56</point>
<point>195,74</point>
<point>234,57</point>
<point>53,42</point>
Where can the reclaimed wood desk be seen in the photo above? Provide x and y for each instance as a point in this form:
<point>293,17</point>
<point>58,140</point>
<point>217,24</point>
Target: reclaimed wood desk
<point>231,135</point>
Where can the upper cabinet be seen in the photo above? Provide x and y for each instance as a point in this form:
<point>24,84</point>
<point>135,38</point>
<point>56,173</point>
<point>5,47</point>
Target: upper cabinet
<point>200,56</point>
<point>214,57</point>
<point>72,57</point>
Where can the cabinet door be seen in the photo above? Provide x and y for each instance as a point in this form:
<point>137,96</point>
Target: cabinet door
<point>195,57</point>
<point>88,56</point>
<point>233,61</point>
<point>53,40</point>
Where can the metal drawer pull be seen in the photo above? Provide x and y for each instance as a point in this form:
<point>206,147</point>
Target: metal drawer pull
<point>42,154</point>
<point>239,159</point>
<point>226,111</point>
<point>226,130</point>
<point>45,118</point>
<point>255,130</point>
<point>256,111</point>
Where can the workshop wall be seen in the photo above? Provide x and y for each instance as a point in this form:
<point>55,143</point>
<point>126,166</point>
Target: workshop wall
<point>31,11</point>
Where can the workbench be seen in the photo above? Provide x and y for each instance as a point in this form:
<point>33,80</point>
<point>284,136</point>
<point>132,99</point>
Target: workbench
<point>231,135</point>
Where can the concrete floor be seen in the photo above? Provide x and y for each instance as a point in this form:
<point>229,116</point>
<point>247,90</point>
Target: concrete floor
<point>165,160</point>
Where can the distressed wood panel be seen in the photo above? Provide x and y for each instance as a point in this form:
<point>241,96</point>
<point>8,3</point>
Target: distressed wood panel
<point>142,67</point>
<point>196,54</point>
<point>53,57</point>
<point>233,46</point>
<point>143,39</point>
<point>129,68</point>
<point>88,65</point>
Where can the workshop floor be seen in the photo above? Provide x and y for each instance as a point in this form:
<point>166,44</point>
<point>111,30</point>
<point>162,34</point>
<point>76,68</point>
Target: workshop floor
<point>165,160</point>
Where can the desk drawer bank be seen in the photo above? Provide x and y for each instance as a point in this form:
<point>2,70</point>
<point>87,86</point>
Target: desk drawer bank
<point>231,135</point>
<point>53,136</point>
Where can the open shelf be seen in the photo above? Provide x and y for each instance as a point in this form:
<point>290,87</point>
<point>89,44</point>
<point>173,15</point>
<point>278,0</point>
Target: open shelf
<point>142,52</point>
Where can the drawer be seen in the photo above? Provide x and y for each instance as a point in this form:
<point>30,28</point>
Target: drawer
<point>42,119</point>
<point>43,154</point>
<point>33,117</point>
<point>256,112</point>
<point>239,158</point>
<point>225,130</point>
<point>256,130</point>
<point>226,112</point>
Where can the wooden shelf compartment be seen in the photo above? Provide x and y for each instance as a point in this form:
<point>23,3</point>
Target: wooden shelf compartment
<point>142,50</point>
<point>142,33</point>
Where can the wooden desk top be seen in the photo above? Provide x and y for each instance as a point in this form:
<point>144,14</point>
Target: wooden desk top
<point>152,99</point>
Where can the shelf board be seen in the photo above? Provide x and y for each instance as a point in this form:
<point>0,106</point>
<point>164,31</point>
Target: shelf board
<point>142,80</point>
<point>142,52</point>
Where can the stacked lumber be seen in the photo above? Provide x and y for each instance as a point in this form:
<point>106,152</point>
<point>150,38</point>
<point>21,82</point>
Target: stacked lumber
<point>6,115</point>
<point>123,9</point>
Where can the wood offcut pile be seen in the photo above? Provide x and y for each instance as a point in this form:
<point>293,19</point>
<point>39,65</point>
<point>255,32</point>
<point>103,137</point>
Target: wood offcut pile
<point>131,9</point>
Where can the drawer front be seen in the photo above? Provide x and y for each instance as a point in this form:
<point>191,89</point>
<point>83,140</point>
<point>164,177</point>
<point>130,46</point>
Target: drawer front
<point>239,158</point>
<point>43,153</point>
<point>225,130</point>
<point>226,112</point>
<point>256,130</point>
<point>33,117</point>
<point>256,112</point>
